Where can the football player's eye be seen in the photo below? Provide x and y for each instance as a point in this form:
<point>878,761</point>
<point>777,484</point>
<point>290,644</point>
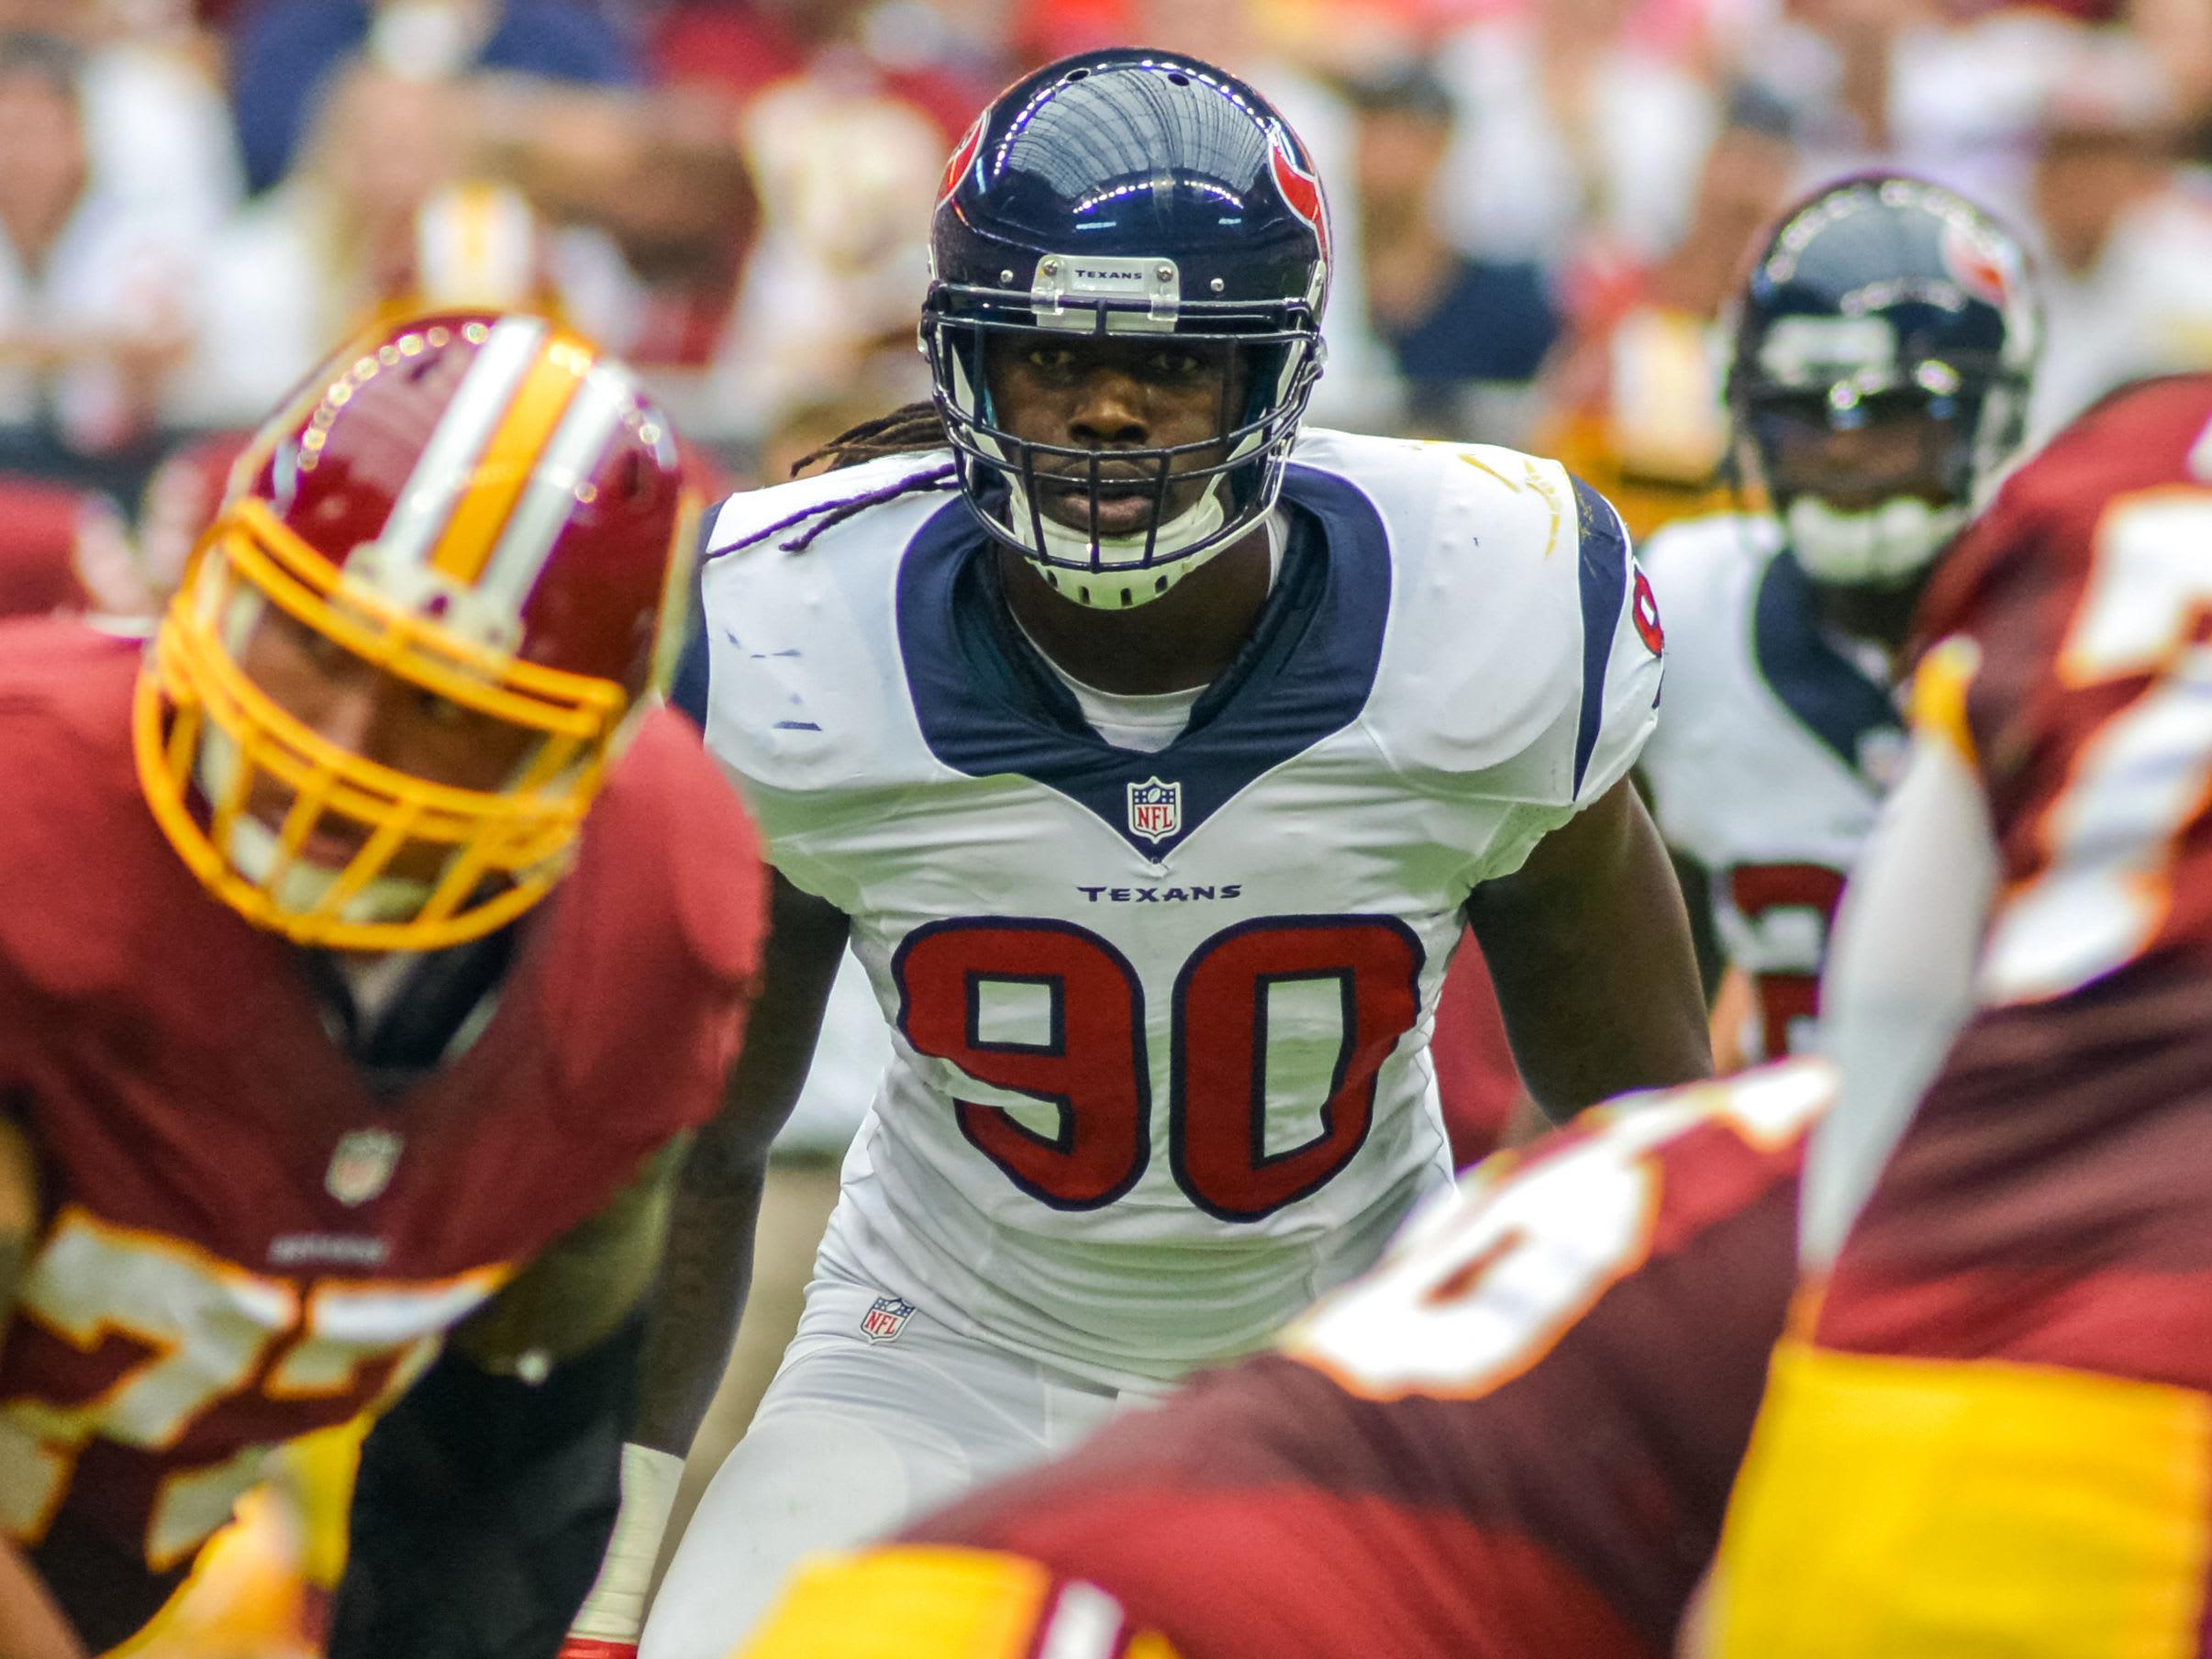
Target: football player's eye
<point>1050,359</point>
<point>1176,365</point>
<point>324,652</point>
<point>440,711</point>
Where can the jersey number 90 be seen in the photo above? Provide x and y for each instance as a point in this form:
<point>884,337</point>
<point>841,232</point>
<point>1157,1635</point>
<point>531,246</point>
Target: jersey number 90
<point>1089,1062</point>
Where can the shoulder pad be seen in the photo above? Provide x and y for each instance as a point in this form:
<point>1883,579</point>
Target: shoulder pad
<point>1513,584</point>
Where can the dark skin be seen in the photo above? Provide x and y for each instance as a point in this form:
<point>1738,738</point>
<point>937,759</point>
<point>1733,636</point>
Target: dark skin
<point>1139,391</point>
<point>1598,980</point>
<point>709,1266</point>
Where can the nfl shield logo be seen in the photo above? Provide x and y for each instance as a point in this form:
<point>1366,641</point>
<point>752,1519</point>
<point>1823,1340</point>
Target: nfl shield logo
<point>361,1166</point>
<point>1155,810</point>
<point>886,1319</point>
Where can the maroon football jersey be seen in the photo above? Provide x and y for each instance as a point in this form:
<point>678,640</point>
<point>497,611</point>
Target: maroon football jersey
<point>244,1240</point>
<point>1514,1438</point>
<point>2046,1204</point>
<point>2086,591</point>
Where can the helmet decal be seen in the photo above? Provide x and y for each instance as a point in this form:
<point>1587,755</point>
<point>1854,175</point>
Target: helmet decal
<point>961,158</point>
<point>1978,269</point>
<point>1301,189</point>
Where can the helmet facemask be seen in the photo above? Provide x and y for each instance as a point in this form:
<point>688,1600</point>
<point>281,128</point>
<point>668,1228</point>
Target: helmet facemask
<point>246,790</point>
<point>1939,436</point>
<point>1203,495</point>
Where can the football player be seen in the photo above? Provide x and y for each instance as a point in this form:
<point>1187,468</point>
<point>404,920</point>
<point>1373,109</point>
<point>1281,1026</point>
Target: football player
<point>1881,359</point>
<point>1990,1430</point>
<point>1513,1439</point>
<point>370,943</point>
<point>1153,776</point>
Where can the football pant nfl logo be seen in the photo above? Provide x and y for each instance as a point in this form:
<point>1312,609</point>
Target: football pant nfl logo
<point>361,1166</point>
<point>1155,810</point>
<point>886,1319</point>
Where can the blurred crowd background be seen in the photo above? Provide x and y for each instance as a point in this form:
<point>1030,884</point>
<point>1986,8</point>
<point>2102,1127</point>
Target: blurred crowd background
<point>1540,206</point>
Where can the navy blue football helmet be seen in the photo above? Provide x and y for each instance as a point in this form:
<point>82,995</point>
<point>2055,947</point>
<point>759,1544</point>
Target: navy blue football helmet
<point>1115,194</point>
<point>1891,304</point>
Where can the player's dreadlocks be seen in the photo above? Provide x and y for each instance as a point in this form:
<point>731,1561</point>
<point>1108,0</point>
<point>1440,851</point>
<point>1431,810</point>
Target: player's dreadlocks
<point>911,428</point>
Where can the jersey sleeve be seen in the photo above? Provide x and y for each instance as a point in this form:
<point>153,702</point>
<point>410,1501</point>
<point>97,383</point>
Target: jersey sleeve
<point>1612,709</point>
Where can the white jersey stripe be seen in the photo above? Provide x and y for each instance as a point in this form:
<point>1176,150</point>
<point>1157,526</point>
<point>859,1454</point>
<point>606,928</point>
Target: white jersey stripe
<point>442,474</point>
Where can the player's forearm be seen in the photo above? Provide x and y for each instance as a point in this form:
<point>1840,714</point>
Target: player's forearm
<point>1590,950</point>
<point>705,1275</point>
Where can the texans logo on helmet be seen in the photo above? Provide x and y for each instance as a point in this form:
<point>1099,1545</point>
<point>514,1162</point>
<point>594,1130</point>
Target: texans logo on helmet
<point>962,154</point>
<point>1978,270</point>
<point>1301,189</point>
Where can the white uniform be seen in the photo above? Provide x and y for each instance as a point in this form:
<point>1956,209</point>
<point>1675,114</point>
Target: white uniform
<point>1772,757</point>
<point>1158,1019</point>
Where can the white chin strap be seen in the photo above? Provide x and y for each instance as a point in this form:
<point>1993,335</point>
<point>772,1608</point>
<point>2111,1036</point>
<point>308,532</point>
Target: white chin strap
<point>1881,548</point>
<point>252,849</point>
<point>1118,582</point>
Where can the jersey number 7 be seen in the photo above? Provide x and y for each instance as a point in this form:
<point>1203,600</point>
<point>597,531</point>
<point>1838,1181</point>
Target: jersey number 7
<point>1089,1063</point>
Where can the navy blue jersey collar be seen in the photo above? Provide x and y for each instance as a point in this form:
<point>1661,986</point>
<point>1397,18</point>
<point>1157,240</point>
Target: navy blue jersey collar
<point>988,707</point>
<point>1824,688</point>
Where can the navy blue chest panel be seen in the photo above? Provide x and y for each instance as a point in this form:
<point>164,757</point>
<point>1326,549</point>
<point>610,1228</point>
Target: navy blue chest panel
<point>988,707</point>
<point>1816,682</point>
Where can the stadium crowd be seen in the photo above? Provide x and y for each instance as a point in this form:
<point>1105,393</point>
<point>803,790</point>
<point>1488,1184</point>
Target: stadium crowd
<point>1540,209</point>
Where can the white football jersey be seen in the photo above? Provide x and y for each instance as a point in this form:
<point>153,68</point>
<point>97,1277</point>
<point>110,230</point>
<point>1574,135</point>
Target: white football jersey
<point>1772,754</point>
<point>1159,1020</point>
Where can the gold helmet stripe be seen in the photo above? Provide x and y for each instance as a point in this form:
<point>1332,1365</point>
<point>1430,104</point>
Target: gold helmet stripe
<point>559,482</point>
<point>508,354</point>
<point>510,457</point>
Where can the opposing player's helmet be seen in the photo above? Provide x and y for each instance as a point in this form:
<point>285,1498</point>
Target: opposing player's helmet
<point>1129,193</point>
<point>1883,301</point>
<point>488,510</point>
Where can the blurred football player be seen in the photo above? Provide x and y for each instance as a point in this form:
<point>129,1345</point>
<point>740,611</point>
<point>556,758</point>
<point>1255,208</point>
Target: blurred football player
<point>372,943</point>
<point>1152,776</point>
<point>1882,352</point>
<point>1513,1439</point>
<point>1989,1429</point>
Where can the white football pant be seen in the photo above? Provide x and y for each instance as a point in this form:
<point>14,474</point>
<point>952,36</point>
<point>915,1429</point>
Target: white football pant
<point>855,1437</point>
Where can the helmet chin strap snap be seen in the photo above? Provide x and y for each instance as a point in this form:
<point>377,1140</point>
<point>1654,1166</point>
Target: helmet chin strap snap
<point>1118,579</point>
<point>1884,547</point>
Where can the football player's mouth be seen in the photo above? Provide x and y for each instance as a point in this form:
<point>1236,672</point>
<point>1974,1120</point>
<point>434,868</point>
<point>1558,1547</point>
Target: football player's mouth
<point>331,844</point>
<point>1123,507</point>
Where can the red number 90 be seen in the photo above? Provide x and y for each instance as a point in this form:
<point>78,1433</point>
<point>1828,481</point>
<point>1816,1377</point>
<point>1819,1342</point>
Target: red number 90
<point>1090,1061</point>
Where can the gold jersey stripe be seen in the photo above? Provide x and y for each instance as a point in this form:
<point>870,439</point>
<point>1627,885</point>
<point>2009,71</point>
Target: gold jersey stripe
<point>1965,1510</point>
<point>1938,693</point>
<point>504,467</point>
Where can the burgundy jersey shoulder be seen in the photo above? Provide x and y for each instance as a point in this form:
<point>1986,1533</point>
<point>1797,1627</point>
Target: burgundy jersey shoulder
<point>65,692</point>
<point>670,887</point>
<point>2016,581</point>
<point>1513,1439</point>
